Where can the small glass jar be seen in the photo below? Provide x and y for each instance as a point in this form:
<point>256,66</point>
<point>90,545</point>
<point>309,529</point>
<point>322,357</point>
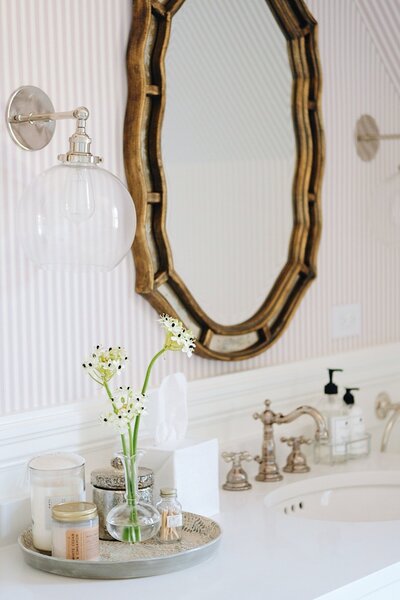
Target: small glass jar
<point>75,531</point>
<point>170,510</point>
<point>54,479</point>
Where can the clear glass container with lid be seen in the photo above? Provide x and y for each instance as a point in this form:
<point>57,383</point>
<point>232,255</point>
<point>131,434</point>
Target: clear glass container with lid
<point>75,531</point>
<point>54,478</point>
<point>170,510</point>
<point>108,489</point>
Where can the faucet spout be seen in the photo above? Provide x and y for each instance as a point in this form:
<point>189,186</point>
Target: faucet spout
<point>321,431</point>
<point>389,426</point>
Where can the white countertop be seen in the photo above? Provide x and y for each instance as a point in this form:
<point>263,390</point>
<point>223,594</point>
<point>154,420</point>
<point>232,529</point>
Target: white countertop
<point>261,555</point>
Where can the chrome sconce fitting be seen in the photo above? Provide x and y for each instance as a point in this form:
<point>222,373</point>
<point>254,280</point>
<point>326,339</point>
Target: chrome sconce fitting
<point>74,215</point>
<point>31,123</point>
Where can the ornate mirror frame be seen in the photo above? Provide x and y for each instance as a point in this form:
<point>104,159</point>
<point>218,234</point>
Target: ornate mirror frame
<point>156,278</point>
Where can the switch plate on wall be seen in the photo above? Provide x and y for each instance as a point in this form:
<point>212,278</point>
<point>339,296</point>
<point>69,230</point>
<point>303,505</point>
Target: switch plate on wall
<point>346,320</point>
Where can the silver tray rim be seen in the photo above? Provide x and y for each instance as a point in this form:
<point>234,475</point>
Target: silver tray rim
<point>89,569</point>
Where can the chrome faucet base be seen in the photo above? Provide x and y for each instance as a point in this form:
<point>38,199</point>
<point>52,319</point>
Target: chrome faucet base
<point>237,487</point>
<point>273,475</point>
<point>296,468</point>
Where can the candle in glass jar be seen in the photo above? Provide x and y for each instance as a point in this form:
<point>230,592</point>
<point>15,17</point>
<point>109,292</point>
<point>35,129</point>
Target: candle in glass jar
<point>75,531</point>
<point>54,478</point>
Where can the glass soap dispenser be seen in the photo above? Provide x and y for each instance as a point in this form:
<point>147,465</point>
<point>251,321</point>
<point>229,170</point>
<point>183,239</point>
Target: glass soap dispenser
<point>359,439</point>
<point>337,421</point>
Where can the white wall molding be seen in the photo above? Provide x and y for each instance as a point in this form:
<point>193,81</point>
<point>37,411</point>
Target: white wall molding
<point>218,406</point>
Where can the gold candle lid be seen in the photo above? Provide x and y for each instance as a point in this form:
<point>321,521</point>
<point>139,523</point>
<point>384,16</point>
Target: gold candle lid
<point>74,511</point>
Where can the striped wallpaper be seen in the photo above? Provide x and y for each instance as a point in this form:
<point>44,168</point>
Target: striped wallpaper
<point>75,51</point>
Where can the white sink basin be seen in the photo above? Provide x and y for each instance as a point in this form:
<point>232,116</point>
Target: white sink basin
<point>348,497</point>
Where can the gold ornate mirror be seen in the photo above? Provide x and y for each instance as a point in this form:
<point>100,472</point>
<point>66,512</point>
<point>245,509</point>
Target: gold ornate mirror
<point>223,113</point>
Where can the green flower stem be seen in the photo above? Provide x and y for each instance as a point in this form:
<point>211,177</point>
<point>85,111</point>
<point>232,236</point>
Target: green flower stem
<point>144,389</point>
<point>133,534</point>
<point>149,368</point>
<point>130,534</point>
<point>131,483</point>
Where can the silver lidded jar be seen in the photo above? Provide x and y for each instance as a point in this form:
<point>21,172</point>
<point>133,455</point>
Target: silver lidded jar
<point>108,487</point>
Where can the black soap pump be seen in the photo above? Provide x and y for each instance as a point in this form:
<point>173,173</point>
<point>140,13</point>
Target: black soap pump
<point>331,390</point>
<point>348,398</point>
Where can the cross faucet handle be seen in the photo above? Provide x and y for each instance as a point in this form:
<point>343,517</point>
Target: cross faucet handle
<point>236,479</point>
<point>236,457</point>
<point>296,461</point>
<point>296,442</point>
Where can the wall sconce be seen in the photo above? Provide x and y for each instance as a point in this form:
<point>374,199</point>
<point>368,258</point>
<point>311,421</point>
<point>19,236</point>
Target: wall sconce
<point>384,210</point>
<point>368,137</point>
<point>76,214</point>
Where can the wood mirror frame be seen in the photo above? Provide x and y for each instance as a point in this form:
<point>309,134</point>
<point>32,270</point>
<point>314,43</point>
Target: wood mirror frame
<point>156,278</point>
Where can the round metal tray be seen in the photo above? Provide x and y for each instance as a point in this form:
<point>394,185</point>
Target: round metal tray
<point>200,539</point>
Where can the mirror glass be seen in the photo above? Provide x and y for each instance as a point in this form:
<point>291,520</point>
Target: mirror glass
<point>228,150</point>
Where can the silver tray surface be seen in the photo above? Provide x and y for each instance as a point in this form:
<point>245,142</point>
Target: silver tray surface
<point>200,539</point>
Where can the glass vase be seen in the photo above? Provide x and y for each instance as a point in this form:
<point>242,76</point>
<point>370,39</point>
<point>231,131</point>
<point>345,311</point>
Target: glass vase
<point>134,521</point>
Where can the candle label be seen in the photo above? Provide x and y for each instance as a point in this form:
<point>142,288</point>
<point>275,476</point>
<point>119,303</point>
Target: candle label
<point>82,544</point>
<point>51,501</point>
<point>174,520</point>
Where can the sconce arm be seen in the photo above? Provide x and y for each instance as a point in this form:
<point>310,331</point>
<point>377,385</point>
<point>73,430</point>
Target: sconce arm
<point>382,136</point>
<point>53,116</point>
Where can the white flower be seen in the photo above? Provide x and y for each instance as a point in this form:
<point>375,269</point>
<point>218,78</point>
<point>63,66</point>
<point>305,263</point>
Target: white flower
<point>126,406</point>
<point>177,337</point>
<point>170,324</point>
<point>103,364</point>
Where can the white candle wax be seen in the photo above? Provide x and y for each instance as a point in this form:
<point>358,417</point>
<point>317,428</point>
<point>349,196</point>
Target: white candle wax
<point>55,478</point>
<point>44,497</point>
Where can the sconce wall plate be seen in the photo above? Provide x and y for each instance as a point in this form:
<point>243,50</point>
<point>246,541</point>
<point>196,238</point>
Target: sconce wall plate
<point>368,137</point>
<point>24,101</point>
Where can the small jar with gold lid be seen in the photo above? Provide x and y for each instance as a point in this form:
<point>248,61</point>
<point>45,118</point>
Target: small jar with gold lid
<point>75,531</point>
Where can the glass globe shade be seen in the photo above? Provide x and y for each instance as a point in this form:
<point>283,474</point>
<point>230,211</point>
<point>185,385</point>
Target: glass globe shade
<point>78,217</point>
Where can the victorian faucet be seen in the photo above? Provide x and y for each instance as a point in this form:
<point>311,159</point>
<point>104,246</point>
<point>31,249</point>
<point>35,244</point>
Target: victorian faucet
<point>269,470</point>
